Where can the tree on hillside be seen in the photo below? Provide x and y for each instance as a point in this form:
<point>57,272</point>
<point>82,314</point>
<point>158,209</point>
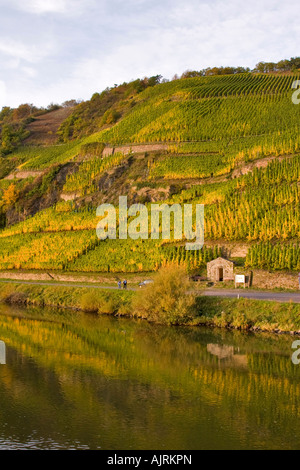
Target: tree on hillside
<point>295,63</point>
<point>71,103</point>
<point>23,112</point>
<point>7,136</point>
<point>5,113</point>
<point>291,65</point>
<point>110,117</point>
<point>155,80</point>
<point>283,65</point>
<point>10,195</point>
<point>191,74</point>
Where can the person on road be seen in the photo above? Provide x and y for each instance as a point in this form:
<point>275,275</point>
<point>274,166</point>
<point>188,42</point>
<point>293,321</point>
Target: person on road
<point>119,284</point>
<point>125,284</point>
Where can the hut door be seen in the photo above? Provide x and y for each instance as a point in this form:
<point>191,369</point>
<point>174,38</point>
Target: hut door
<point>221,274</point>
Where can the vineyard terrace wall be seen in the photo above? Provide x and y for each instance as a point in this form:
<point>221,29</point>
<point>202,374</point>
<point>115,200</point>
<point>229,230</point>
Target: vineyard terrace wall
<point>133,149</point>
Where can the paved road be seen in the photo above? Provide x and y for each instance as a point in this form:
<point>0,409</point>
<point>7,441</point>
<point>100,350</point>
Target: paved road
<point>64,284</point>
<point>255,294</point>
<point>249,294</point>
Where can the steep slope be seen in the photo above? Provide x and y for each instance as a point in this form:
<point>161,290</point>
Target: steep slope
<point>43,130</point>
<point>229,142</point>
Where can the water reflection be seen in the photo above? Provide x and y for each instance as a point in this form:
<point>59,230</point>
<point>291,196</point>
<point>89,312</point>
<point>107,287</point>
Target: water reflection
<point>77,381</point>
<point>228,355</point>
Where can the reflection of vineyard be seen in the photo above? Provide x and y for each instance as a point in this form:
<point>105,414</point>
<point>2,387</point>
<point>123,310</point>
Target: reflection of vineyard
<point>99,369</point>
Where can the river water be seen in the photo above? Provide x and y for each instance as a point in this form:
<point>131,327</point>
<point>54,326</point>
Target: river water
<point>74,381</point>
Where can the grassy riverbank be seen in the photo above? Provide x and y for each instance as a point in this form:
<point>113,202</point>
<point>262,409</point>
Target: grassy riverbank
<point>80,298</point>
<point>245,314</point>
<point>249,314</point>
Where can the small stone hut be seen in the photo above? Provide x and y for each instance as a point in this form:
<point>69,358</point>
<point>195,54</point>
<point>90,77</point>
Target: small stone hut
<point>220,269</point>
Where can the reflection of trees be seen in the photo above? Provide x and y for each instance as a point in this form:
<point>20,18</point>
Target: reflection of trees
<point>94,379</point>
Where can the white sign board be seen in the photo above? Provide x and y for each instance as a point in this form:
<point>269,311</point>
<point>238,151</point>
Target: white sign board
<point>240,279</point>
<point>2,353</point>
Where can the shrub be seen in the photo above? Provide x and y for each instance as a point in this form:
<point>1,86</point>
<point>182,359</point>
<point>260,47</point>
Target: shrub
<point>92,148</point>
<point>167,300</point>
<point>100,302</point>
<point>90,302</point>
<point>108,306</point>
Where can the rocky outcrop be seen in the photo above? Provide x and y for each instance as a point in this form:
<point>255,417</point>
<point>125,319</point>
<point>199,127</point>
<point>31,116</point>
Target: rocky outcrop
<point>22,175</point>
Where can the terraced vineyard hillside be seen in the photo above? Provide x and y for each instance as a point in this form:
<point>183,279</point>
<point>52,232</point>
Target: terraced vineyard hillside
<point>229,142</point>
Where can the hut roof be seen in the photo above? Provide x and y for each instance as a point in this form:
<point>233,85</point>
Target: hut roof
<point>220,259</point>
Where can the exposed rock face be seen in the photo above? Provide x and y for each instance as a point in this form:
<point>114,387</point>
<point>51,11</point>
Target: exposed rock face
<point>22,175</point>
<point>69,197</point>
